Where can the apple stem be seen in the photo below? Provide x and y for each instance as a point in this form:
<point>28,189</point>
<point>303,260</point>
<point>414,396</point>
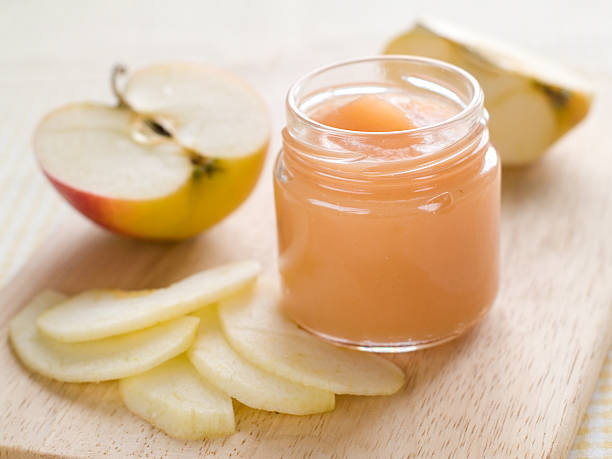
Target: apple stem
<point>118,70</point>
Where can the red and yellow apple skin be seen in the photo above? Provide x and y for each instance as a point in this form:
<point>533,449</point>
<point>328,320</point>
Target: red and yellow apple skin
<point>205,199</point>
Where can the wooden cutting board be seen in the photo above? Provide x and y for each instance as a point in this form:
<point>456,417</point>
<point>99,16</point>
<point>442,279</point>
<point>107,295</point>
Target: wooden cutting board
<point>516,386</point>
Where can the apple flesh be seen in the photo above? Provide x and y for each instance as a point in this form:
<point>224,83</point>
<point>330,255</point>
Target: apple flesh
<point>111,166</point>
<point>221,365</point>
<point>255,326</point>
<point>531,103</point>
<point>175,399</point>
<point>101,360</point>
<point>101,313</point>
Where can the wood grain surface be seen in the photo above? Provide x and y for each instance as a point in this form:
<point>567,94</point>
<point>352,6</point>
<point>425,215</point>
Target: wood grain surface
<point>516,386</point>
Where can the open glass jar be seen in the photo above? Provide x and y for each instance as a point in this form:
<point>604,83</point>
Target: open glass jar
<point>388,239</point>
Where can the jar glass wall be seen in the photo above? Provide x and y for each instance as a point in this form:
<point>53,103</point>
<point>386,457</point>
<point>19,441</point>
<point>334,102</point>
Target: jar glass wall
<point>388,229</point>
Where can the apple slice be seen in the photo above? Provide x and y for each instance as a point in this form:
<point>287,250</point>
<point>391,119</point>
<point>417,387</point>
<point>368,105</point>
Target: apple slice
<point>96,314</point>
<point>102,360</point>
<point>256,328</point>
<point>214,359</point>
<point>174,398</point>
<point>165,175</point>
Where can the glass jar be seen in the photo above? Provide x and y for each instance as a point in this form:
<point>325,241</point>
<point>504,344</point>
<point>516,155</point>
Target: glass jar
<point>388,240</point>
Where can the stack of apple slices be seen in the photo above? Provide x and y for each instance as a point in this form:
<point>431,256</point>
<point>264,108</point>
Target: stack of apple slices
<point>181,353</point>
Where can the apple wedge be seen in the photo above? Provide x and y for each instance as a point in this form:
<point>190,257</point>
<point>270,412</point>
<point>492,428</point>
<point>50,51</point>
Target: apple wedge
<point>174,398</point>
<point>214,359</point>
<point>257,329</point>
<point>183,148</point>
<point>531,103</point>
<point>102,360</point>
<point>96,314</point>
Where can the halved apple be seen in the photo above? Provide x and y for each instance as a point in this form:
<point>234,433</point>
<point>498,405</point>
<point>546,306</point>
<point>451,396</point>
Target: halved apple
<point>182,150</point>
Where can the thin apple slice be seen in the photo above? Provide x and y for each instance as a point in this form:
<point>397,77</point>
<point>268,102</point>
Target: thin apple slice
<point>176,399</point>
<point>214,359</point>
<point>257,329</point>
<point>102,360</point>
<point>96,314</point>
<point>207,110</point>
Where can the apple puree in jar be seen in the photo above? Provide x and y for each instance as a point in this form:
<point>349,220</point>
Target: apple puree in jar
<point>387,199</point>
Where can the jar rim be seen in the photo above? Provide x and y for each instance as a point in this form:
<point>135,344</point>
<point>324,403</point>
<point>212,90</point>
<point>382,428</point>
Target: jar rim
<point>469,110</point>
